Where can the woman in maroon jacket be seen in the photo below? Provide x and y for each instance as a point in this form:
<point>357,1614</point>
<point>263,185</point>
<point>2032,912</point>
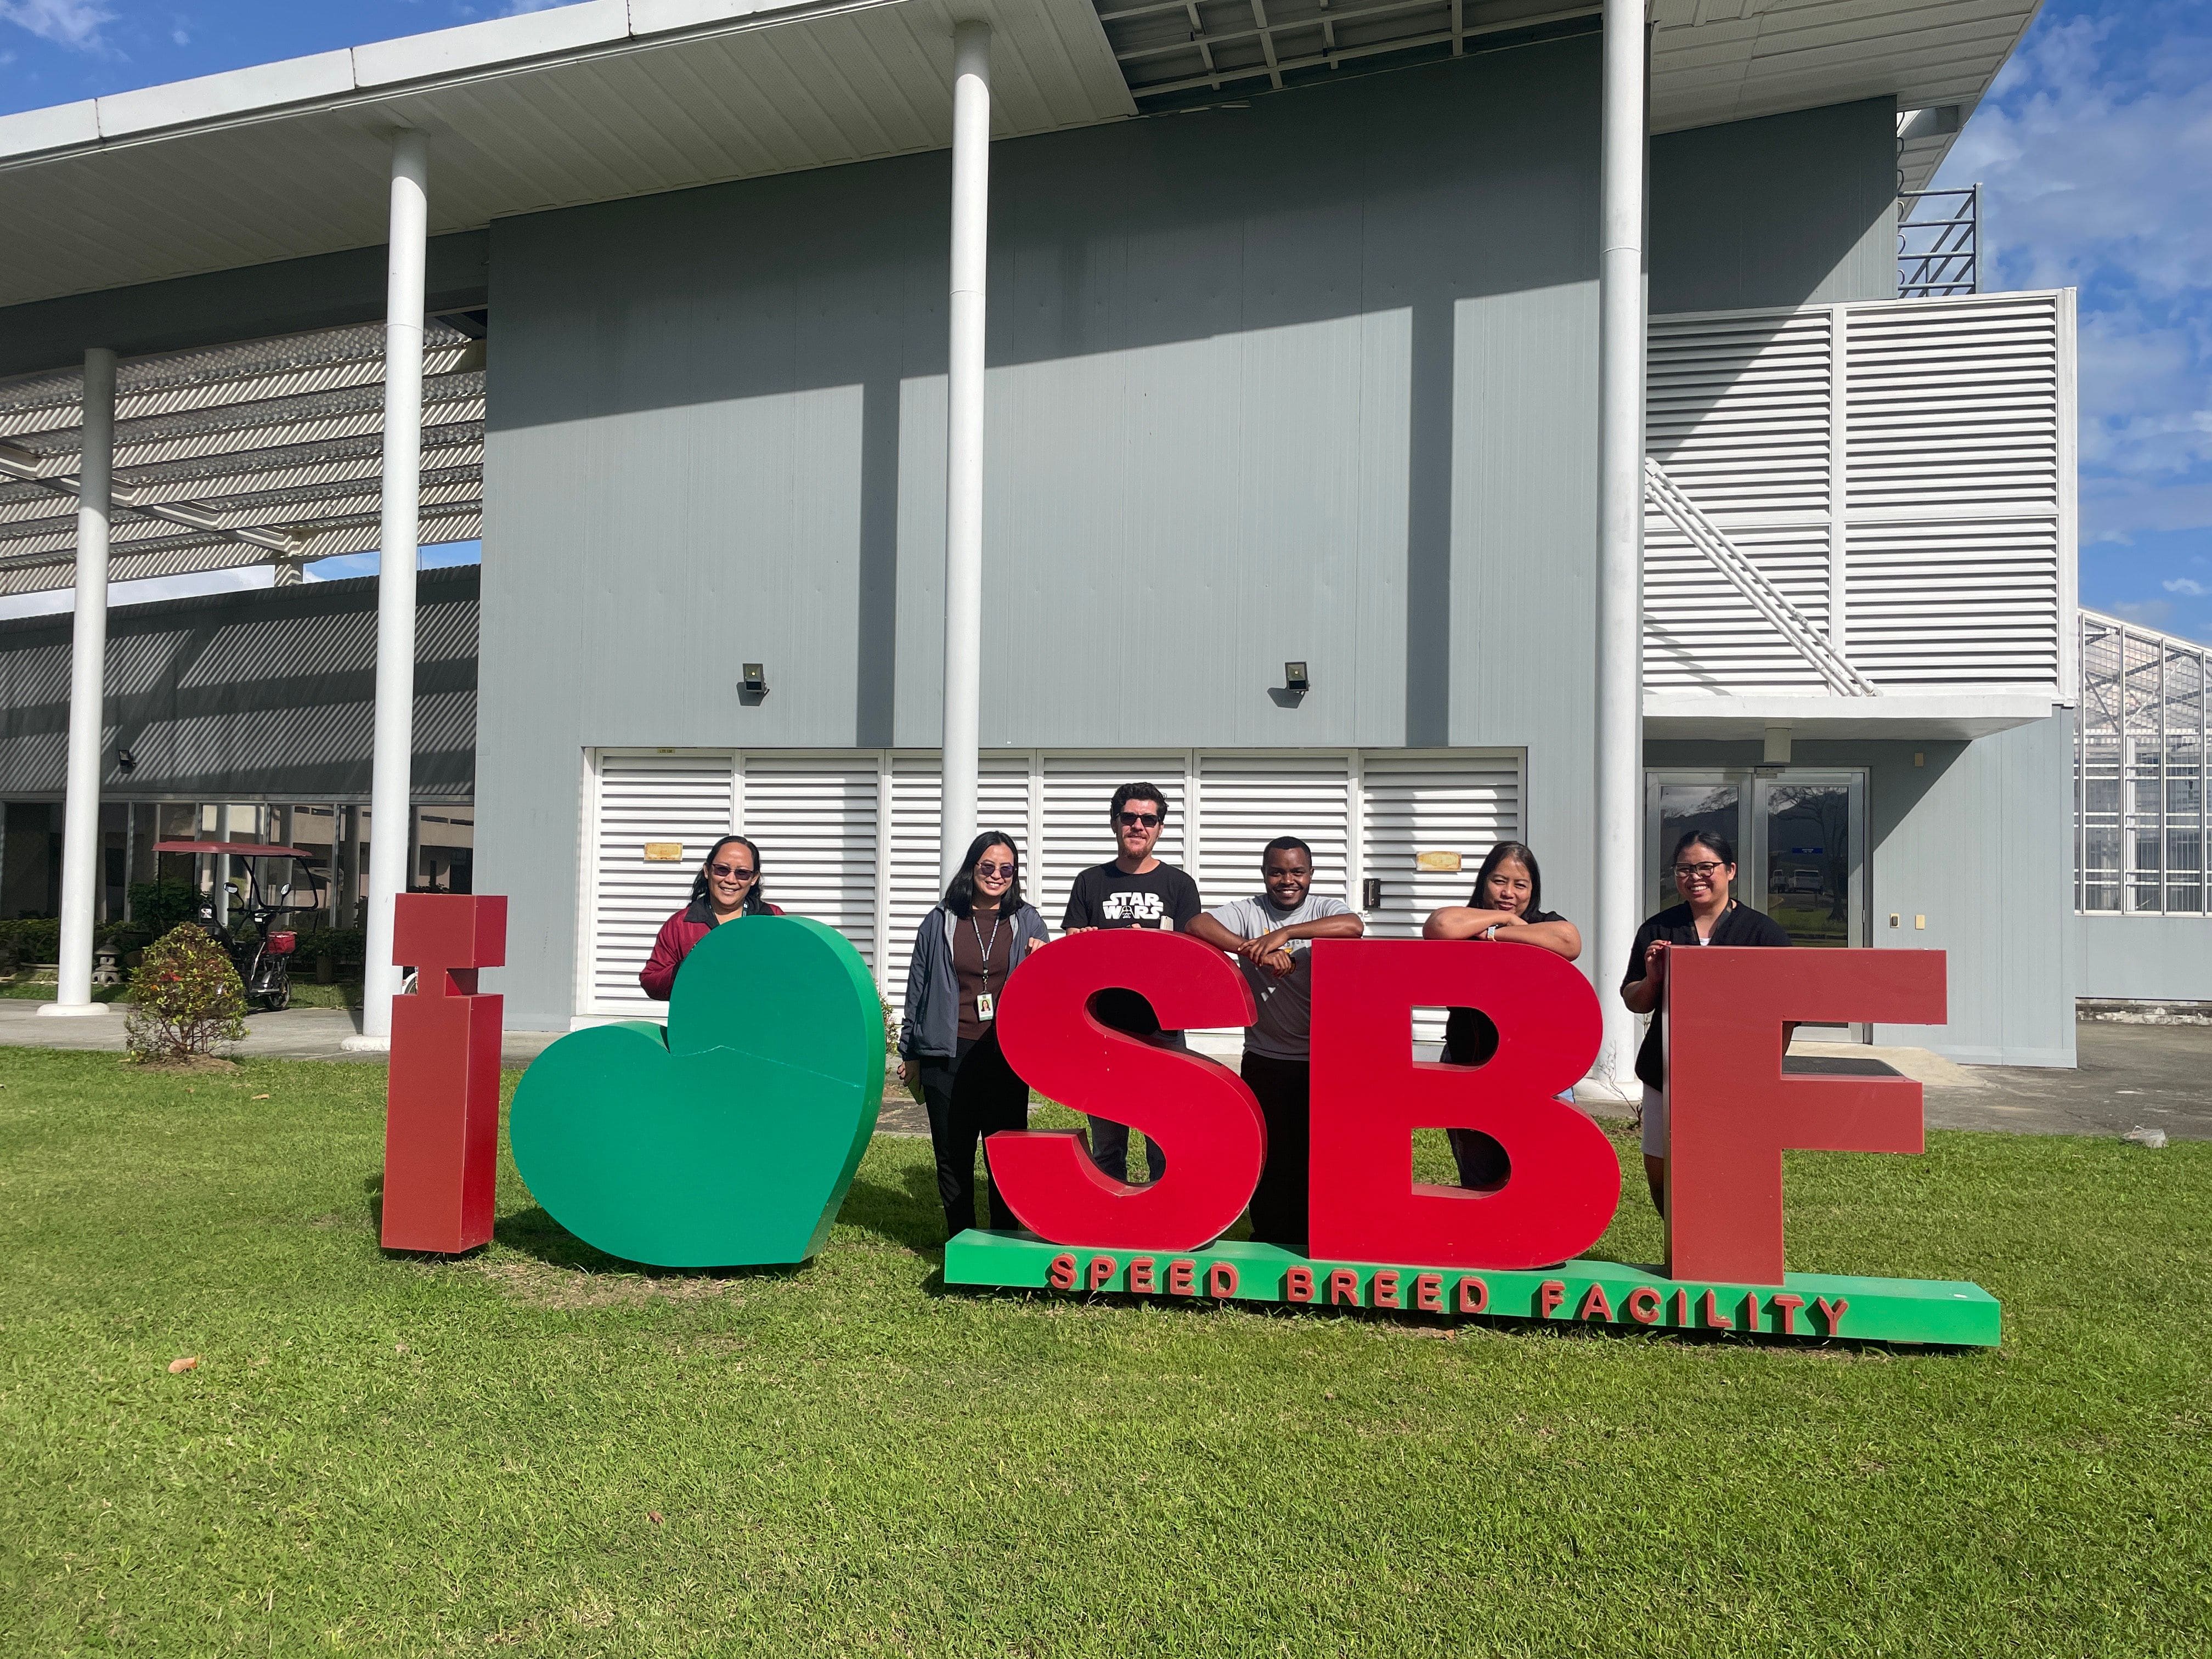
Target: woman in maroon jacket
<point>728,886</point>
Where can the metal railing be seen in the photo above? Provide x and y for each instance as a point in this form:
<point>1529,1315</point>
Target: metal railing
<point>2141,823</point>
<point>1938,242</point>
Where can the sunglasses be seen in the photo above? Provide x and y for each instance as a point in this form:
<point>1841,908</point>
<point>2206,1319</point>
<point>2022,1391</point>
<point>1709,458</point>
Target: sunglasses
<point>1689,870</point>
<point>1006,870</point>
<point>732,872</point>
<point>1131,820</point>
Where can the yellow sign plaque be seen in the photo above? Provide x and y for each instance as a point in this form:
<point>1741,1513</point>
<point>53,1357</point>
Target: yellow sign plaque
<point>1435,861</point>
<point>664,851</point>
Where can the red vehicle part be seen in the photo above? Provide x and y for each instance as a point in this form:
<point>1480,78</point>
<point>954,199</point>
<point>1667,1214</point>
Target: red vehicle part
<point>281,945</point>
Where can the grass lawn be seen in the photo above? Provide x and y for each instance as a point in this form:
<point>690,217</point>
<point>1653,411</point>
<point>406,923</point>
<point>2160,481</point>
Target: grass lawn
<point>540,1450</point>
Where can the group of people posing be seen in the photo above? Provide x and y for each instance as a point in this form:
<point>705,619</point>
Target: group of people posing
<point>971,942</point>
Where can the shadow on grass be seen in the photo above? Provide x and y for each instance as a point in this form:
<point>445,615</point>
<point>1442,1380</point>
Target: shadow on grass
<point>910,1214</point>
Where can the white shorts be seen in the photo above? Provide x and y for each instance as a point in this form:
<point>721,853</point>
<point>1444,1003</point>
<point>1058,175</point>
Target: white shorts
<point>1655,1121</point>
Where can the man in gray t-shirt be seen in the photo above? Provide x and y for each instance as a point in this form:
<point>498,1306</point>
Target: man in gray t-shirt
<point>1267,936</point>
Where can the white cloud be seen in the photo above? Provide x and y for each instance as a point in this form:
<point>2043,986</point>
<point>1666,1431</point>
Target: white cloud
<point>2094,150</point>
<point>2187,588</point>
<point>66,22</point>
<point>2155,614</point>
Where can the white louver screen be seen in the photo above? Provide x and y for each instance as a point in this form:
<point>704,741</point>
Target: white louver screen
<point>1898,469</point>
<point>665,803</point>
<point>1245,801</point>
<point>825,853</point>
<point>814,817</point>
<point>1076,790</point>
<point>1416,803</point>
<point>1002,802</point>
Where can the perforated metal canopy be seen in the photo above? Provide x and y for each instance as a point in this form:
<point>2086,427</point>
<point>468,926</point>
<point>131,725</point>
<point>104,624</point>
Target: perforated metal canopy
<point>266,451</point>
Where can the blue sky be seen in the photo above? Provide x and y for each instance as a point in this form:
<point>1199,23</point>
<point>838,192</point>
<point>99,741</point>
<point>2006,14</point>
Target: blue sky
<point>2094,150</point>
<point>2094,147</point>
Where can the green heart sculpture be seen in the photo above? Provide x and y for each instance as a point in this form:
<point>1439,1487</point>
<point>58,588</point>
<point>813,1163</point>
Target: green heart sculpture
<point>728,1137</point>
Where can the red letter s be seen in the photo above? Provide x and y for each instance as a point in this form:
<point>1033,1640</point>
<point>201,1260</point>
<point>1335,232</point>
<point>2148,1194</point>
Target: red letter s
<point>1201,1112</point>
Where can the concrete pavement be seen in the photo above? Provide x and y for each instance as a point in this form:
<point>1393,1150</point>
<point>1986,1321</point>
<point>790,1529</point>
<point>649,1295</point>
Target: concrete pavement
<point>2129,1076</point>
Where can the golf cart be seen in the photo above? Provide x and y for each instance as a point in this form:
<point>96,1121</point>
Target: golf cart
<point>272,876</point>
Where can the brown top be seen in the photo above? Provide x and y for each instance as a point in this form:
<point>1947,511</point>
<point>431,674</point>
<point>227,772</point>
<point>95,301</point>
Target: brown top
<point>969,967</point>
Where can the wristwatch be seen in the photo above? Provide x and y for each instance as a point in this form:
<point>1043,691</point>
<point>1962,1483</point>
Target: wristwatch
<point>1490,931</point>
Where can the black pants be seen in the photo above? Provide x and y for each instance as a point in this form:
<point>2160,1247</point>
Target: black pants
<point>1110,1141</point>
<point>1284,1089</point>
<point>972,1095</point>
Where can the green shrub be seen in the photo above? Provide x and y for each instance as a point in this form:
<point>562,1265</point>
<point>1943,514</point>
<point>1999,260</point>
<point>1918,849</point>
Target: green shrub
<point>34,938</point>
<point>158,906</point>
<point>345,946</point>
<point>185,999</point>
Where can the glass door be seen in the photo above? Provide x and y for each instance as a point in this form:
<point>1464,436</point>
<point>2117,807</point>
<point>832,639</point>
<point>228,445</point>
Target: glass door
<point>1810,835</point>
<point>1800,835</point>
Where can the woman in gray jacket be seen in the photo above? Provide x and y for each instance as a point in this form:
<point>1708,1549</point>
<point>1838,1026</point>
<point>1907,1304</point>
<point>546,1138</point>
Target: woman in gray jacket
<point>965,952</point>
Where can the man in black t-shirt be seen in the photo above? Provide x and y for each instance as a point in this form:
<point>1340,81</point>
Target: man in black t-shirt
<point>1135,890</point>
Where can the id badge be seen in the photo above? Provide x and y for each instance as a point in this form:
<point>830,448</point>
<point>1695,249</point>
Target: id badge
<point>984,1004</point>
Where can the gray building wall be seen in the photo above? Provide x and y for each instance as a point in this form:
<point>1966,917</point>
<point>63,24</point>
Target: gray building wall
<point>1310,378</point>
<point>1979,841</point>
<point>2145,958</point>
<point>1787,211</point>
<point>263,695</point>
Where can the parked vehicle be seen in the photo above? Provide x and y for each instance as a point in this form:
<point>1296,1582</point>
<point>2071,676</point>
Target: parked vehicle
<point>260,946</point>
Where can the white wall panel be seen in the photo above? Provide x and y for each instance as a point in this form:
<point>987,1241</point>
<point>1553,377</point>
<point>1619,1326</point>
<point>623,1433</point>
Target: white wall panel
<point>825,853</point>
<point>683,798</point>
<point>1901,469</point>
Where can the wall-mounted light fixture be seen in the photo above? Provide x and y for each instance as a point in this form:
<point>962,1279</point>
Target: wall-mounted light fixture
<point>1294,679</point>
<point>754,679</point>
<point>125,761</point>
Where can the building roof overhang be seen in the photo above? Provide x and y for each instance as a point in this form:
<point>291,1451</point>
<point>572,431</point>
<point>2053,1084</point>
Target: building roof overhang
<point>618,98</point>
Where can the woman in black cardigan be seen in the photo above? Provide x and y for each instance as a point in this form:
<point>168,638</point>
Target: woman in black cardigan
<point>1705,865</point>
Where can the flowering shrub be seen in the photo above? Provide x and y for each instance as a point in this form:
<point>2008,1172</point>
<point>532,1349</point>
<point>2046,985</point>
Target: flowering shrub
<point>185,999</point>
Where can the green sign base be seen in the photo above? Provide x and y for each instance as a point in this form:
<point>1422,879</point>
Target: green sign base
<point>1805,1305</point>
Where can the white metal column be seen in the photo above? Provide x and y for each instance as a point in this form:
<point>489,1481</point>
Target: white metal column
<point>390,782</point>
<point>963,442</point>
<point>1621,305</point>
<point>81,851</point>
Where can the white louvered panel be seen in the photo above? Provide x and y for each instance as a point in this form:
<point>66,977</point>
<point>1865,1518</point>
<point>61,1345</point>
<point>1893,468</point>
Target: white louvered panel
<point>1463,803</point>
<point>1959,603</point>
<point>1077,790</point>
<point>814,817</point>
<point>1701,633</point>
<point>1953,407</point>
<point>678,798</point>
<point>917,797</point>
<point>1245,801</point>
<point>1737,411</point>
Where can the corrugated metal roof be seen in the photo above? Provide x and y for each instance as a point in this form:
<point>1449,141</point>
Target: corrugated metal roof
<point>614,98</point>
<point>239,455</point>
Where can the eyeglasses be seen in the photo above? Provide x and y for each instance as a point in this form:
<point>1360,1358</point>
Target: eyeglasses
<point>994,869</point>
<point>1131,820</point>
<point>732,872</point>
<point>1687,871</point>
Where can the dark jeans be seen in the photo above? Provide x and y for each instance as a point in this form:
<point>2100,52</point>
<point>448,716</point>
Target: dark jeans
<point>973,1095</point>
<point>1482,1161</point>
<point>1284,1089</point>
<point>1110,1141</point>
